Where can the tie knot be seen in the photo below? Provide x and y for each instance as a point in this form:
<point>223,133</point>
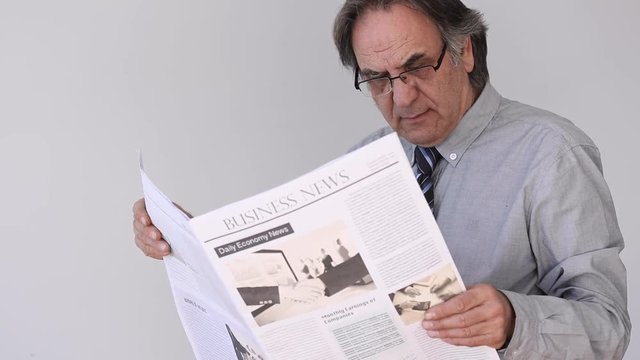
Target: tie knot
<point>426,159</point>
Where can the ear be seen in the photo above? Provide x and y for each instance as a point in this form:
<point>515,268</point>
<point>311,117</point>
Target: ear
<point>466,57</point>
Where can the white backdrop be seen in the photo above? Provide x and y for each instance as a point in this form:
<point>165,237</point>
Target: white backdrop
<point>227,98</point>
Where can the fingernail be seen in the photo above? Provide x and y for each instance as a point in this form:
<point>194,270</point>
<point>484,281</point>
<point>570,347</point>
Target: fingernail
<point>143,220</point>
<point>432,333</point>
<point>153,235</point>
<point>164,248</point>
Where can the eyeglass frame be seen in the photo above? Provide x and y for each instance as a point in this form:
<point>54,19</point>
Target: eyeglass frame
<point>435,67</point>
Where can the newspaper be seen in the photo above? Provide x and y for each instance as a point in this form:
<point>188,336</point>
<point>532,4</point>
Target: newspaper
<point>340,263</point>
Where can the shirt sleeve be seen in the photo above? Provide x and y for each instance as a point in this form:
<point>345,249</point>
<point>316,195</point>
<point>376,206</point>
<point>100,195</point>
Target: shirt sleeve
<point>576,241</point>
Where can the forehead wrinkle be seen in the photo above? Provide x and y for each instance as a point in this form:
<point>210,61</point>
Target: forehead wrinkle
<point>394,45</point>
<point>389,54</point>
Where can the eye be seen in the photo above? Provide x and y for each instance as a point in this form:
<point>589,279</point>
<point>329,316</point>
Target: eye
<point>421,71</point>
<point>378,83</point>
<point>372,76</point>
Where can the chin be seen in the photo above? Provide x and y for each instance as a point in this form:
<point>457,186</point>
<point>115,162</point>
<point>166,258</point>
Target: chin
<point>417,132</point>
<point>419,139</point>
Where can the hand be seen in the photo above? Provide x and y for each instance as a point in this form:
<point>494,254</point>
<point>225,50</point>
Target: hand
<point>479,316</point>
<point>411,291</point>
<point>304,292</point>
<point>147,236</point>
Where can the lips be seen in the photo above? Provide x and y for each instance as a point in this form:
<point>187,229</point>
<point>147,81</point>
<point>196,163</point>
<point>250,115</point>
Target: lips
<point>413,117</point>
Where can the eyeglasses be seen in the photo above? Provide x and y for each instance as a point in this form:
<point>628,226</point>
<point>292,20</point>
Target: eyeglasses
<point>383,85</point>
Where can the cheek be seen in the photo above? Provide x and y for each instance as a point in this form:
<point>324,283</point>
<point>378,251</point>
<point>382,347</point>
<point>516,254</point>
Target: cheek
<point>451,86</point>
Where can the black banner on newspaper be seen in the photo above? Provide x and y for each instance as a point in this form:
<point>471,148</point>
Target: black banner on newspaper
<point>254,240</point>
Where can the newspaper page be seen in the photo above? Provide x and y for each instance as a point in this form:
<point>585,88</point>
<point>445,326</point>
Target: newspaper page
<point>208,315</point>
<point>341,263</point>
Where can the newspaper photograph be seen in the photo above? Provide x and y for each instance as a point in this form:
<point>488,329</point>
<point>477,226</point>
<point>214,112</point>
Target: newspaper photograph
<point>340,263</point>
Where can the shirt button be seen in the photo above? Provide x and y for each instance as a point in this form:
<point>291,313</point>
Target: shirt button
<point>453,156</point>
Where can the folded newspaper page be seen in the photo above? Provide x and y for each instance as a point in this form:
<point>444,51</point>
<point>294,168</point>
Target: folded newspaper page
<point>340,263</point>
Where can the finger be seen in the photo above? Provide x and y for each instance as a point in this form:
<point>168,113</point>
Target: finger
<point>457,304</point>
<point>140,212</point>
<point>139,226</point>
<point>491,321</point>
<point>480,340</point>
<point>144,247</point>
<point>150,241</point>
<point>147,237</point>
<point>155,249</point>
<point>468,318</point>
<point>462,332</point>
<point>142,227</point>
<point>148,233</point>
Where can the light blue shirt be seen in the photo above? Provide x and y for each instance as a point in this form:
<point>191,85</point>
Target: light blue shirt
<point>522,203</point>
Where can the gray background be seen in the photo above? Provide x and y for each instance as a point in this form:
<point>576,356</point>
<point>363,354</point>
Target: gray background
<point>206,88</point>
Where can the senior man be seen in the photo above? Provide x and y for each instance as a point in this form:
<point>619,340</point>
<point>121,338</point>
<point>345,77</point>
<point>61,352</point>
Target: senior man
<point>518,192</point>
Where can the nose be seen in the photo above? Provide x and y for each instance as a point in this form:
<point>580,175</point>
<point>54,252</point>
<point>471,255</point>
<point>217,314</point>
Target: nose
<point>403,94</point>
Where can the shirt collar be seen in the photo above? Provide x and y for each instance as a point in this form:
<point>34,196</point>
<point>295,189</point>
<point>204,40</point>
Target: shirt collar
<point>474,121</point>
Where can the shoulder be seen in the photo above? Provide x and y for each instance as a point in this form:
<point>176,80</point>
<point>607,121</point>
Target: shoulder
<point>541,123</point>
<point>539,131</point>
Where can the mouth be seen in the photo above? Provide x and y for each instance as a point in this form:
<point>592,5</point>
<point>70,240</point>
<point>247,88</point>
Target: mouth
<point>413,117</point>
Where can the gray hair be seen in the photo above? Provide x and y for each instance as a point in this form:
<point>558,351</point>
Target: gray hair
<point>454,20</point>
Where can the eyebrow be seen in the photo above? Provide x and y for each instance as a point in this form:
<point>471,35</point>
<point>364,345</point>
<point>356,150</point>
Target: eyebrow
<point>411,62</point>
<point>413,59</point>
<point>368,73</point>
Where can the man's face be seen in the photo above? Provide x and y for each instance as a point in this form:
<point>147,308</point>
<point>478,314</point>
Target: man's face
<point>388,42</point>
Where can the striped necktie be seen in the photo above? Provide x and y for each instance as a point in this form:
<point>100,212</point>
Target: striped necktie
<point>425,160</point>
